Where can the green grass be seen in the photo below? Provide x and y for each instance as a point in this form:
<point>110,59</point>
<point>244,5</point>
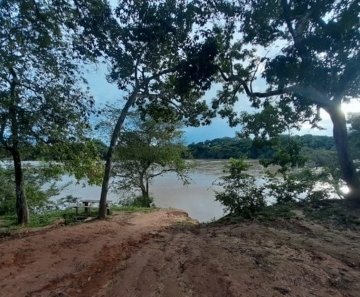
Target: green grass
<point>38,220</point>
<point>183,224</point>
<point>267,213</point>
<point>9,222</point>
<point>275,211</point>
<point>131,208</point>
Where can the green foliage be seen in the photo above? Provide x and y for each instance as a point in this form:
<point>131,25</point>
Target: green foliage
<point>154,58</point>
<point>138,201</point>
<point>276,211</point>
<point>286,155</point>
<point>67,201</point>
<point>296,186</point>
<point>241,195</point>
<point>65,151</point>
<point>40,81</point>
<point>148,149</point>
<point>101,148</point>
<point>40,185</point>
<point>310,61</point>
<point>291,181</point>
<point>221,148</point>
<point>313,148</point>
<point>354,135</point>
<point>43,94</point>
<point>130,208</point>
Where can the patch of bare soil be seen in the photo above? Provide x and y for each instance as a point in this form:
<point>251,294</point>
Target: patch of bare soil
<point>146,255</point>
<point>76,260</point>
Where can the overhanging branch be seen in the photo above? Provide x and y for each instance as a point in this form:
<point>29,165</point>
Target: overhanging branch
<point>302,90</point>
<point>161,172</point>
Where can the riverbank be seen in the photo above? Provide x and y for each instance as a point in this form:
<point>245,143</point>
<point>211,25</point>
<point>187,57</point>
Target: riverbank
<point>165,253</point>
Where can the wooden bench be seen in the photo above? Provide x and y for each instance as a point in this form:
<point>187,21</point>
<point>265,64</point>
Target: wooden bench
<point>86,205</point>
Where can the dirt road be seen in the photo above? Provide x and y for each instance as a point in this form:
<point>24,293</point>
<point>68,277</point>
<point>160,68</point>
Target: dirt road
<point>141,255</point>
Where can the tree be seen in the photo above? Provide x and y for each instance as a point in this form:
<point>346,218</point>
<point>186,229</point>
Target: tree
<point>40,98</point>
<point>148,149</point>
<point>310,55</point>
<point>313,146</point>
<point>151,55</point>
<point>39,183</point>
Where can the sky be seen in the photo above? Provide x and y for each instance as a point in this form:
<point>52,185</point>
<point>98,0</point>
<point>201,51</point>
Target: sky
<point>104,92</point>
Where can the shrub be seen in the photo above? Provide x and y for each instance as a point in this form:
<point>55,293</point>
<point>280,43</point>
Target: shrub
<point>241,195</point>
<point>298,186</point>
<point>138,201</point>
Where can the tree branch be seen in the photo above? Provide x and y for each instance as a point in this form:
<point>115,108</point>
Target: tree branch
<point>4,77</point>
<point>161,172</point>
<point>307,91</point>
<point>13,73</point>
<point>37,137</point>
<point>286,12</point>
<point>351,74</point>
<point>161,73</point>
<point>2,129</point>
<point>310,92</point>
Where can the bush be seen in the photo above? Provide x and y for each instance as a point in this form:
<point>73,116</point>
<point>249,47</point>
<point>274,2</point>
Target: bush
<point>138,201</point>
<point>299,186</point>
<point>241,195</point>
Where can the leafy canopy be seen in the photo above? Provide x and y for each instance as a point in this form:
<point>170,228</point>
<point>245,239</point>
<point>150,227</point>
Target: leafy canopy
<point>43,93</point>
<point>148,149</point>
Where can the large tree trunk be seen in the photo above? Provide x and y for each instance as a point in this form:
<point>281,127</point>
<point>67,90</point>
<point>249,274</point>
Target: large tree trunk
<point>109,156</point>
<point>342,146</point>
<point>21,204</point>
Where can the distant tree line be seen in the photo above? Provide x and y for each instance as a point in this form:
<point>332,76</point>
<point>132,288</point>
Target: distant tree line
<point>41,152</point>
<point>313,146</point>
<point>227,147</point>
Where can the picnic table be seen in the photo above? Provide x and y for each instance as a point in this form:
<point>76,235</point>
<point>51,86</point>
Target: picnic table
<point>87,204</point>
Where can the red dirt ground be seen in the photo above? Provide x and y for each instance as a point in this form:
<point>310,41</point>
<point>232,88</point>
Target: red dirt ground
<point>161,254</point>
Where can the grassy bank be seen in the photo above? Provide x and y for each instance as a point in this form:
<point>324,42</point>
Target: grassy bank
<point>8,223</point>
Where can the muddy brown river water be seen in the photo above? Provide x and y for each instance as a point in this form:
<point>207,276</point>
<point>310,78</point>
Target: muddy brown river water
<point>197,199</point>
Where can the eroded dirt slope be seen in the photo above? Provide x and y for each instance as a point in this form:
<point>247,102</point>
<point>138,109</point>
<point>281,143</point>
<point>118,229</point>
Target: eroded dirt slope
<point>79,259</point>
<point>140,255</point>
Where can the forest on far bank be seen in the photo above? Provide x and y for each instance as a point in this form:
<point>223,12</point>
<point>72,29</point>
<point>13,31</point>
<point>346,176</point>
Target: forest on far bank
<point>317,149</point>
<point>234,147</point>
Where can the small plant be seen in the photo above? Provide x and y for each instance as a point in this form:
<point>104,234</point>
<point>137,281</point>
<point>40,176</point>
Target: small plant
<point>138,201</point>
<point>5,232</point>
<point>241,195</point>
<point>69,218</point>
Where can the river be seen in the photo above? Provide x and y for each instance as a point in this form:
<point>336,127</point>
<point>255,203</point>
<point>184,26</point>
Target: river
<point>197,198</point>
